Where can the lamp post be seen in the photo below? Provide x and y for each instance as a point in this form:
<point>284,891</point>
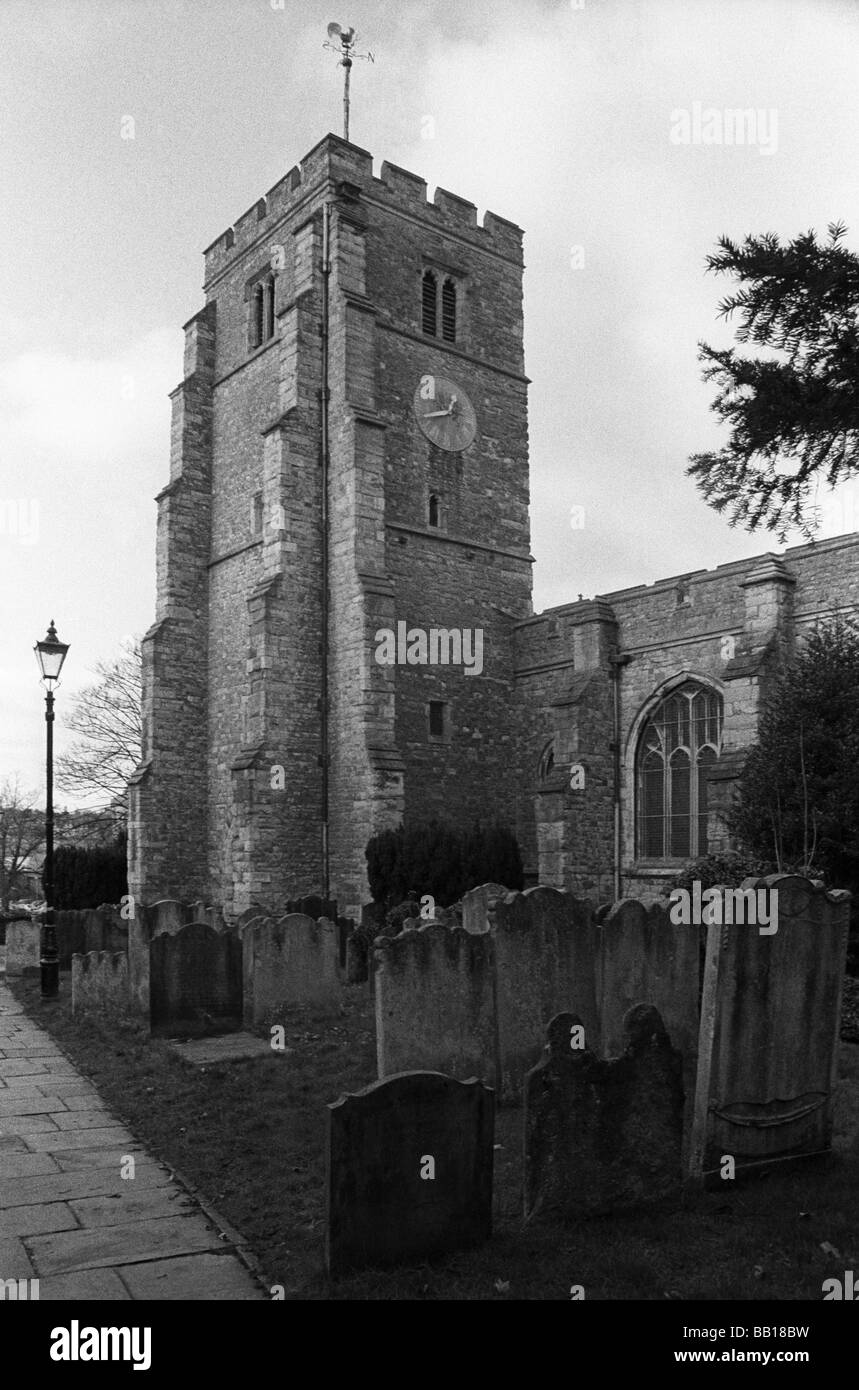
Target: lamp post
<point>50,654</point>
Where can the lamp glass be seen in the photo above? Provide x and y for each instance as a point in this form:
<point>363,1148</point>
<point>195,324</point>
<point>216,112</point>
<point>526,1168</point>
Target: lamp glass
<point>50,654</point>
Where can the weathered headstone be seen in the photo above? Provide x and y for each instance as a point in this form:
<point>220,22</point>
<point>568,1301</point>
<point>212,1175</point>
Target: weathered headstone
<point>292,961</point>
<point>602,1135</point>
<point>475,905</point>
<point>408,1171</point>
<point>148,922</point>
<point>23,946</point>
<point>770,1022</point>
<point>434,1002</point>
<point>644,957</point>
<point>100,984</point>
<point>545,960</point>
<point>195,978</point>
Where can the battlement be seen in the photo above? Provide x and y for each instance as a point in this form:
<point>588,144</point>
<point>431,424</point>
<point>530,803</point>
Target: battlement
<point>335,161</point>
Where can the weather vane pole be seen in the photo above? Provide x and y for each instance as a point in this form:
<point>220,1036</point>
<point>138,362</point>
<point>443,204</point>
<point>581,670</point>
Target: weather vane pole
<point>346,47</point>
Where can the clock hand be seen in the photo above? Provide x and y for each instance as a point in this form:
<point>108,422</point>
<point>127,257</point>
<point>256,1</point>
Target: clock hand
<point>434,414</point>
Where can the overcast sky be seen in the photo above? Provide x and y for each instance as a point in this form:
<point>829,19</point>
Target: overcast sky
<point>554,114</point>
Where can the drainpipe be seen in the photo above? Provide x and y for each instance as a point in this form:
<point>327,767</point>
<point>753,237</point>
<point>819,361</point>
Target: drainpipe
<point>617,663</point>
<point>325,459</point>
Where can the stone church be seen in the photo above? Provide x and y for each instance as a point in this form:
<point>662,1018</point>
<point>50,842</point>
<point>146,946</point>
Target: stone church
<point>344,635</point>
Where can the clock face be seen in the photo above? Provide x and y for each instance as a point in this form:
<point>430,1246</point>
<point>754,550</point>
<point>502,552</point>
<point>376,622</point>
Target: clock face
<point>444,413</point>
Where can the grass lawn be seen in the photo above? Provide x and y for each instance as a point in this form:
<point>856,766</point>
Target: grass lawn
<point>250,1135</point>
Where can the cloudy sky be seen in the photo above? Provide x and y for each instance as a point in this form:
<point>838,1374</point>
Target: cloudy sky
<point>557,115</point>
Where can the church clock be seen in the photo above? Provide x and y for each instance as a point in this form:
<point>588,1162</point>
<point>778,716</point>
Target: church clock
<point>444,413</point>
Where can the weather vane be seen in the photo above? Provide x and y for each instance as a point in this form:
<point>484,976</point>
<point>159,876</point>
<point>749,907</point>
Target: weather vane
<point>346,47</point>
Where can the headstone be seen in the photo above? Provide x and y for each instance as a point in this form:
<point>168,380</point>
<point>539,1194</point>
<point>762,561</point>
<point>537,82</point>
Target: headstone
<point>646,958</point>
<point>357,952</point>
<point>148,922</point>
<point>435,1006</point>
<point>475,905</point>
<point>770,1023</point>
<point>408,1171</point>
<point>292,961</point>
<point>23,946</point>
<point>603,1135</point>
<point>195,978</point>
<point>100,984</point>
<point>545,961</point>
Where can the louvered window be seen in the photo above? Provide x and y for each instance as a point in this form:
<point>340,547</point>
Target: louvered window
<point>679,744</point>
<point>448,311</point>
<point>430,304</point>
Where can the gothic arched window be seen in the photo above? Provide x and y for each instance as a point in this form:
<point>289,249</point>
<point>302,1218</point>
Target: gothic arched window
<point>268,326</point>
<point>429,304</point>
<point>547,762</point>
<point>678,744</point>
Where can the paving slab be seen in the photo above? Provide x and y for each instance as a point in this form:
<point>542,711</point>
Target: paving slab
<point>84,1182</point>
<point>200,1277</point>
<point>28,1124</point>
<point>25,1164</point>
<point>85,1285</point>
<point>132,1204</point>
<point>36,1220</point>
<point>121,1244</point>
<point>83,1119</point>
<point>110,1158</point>
<point>14,1261</point>
<point>28,1105</point>
<point>80,1139</point>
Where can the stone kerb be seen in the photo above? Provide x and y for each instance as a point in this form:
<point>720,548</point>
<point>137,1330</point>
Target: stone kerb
<point>770,1024</point>
<point>646,958</point>
<point>100,984</point>
<point>602,1135</point>
<point>434,1002</point>
<point>408,1171</point>
<point>294,960</point>
<point>545,961</point>
<point>23,946</point>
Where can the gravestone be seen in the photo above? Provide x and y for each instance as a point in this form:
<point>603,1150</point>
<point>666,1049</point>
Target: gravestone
<point>292,961</point>
<point>195,978</point>
<point>23,946</point>
<point>644,957</point>
<point>169,916</point>
<point>100,984</point>
<point>545,960</point>
<point>603,1135</point>
<point>380,1210</point>
<point>770,1023</point>
<point>435,1007</point>
<point>475,905</point>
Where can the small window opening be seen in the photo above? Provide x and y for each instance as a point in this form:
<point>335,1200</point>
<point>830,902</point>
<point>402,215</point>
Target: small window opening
<point>436,718</point>
<point>434,510</point>
<point>429,304</point>
<point>448,311</point>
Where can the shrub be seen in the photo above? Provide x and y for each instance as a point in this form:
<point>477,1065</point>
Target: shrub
<point>440,860</point>
<point>88,877</point>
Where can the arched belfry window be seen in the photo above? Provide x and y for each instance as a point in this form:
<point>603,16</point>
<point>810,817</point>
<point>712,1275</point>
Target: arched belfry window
<point>448,311</point>
<point>678,745</point>
<point>429,304</point>
<point>268,324</point>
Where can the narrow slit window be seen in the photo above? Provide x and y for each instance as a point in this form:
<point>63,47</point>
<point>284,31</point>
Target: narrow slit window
<point>448,311</point>
<point>434,510</point>
<point>436,718</point>
<point>269,308</point>
<point>257,316</point>
<point>430,304</point>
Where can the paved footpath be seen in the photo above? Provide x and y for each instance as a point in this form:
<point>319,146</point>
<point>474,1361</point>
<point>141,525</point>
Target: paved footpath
<point>67,1216</point>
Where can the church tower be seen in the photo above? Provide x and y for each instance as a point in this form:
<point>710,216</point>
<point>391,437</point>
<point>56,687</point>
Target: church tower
<point>343,545</point>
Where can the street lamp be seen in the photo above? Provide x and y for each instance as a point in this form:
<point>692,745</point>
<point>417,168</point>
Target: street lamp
<point>50,654</point>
